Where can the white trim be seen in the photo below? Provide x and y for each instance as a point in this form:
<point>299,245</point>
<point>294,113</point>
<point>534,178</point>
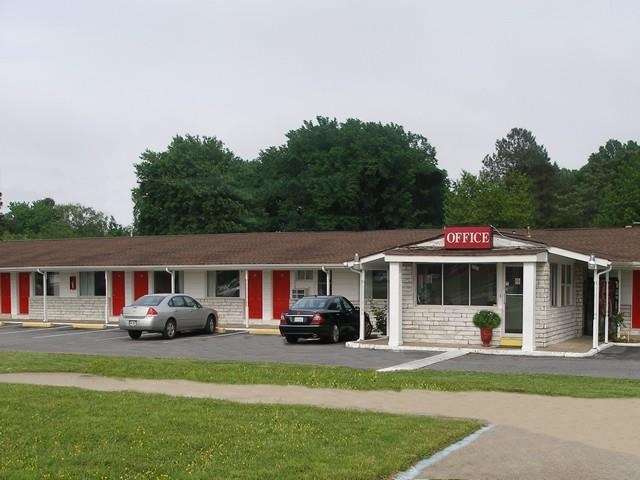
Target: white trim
<point>540,257</point>
<point>577,256</point>
<point>394,325</point>
<point>240,266</point>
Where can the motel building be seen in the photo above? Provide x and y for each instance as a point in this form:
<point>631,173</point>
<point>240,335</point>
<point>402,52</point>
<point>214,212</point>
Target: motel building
<point>554,290</point>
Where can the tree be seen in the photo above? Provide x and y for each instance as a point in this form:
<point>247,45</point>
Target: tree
<point>46,219</point>
<point>353,175</point>
<point>519,152</point>
<point>194,186</point>
<point>478,200</point>
<point>609,185</point>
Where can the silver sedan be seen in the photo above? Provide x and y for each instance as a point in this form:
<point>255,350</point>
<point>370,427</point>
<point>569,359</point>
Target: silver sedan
<point>167,314</point>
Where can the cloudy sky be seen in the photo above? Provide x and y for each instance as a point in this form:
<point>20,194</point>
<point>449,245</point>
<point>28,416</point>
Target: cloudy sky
<point>86,86</point>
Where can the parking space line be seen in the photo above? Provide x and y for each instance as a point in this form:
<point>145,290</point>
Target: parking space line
<point>73,333</point>
<point>31,330</point>
<point>423,362</point>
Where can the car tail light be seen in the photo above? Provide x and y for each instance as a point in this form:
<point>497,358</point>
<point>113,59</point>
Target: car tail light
<point>283,319</point>
<point>152,312</point>
<point>317,319</point>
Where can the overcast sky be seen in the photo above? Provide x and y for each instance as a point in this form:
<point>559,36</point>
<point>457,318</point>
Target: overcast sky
<point>86,86</point>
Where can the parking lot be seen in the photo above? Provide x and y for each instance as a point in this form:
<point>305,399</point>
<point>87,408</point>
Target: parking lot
<point>227,346</point>
<point>620,362</point>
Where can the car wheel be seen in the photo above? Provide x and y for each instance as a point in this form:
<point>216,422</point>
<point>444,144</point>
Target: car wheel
<point>291,339</point>
<point>335,334</point>
<point>135,334</point>
<point>210,326</point>
<point>169,329</point>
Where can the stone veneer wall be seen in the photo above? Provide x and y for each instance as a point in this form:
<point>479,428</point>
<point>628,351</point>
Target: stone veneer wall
<point>557,324</point>
<point>68,309</point>
<point>450,324</point>
<point>230,309</point>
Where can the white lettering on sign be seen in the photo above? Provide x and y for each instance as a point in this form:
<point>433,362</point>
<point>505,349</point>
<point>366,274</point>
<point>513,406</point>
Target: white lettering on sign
<point>468,237</point>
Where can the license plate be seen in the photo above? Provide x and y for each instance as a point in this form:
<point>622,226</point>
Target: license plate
<point>132,323</point>
<point>298,319</point>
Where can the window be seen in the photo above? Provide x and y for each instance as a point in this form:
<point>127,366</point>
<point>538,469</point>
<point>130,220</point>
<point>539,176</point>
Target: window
<point>457,284</point>
<point>92,284</point>
<point>379,284</point>
<point>177,302</point>
<point>553,288</point>
<point>347,305</point>
<point>53,284</point>
<point>162,282</point>
<point>313,303</point>
<point>228,283</point>
<point>429,283</point>
<point>566,285</point>
<point>298,293</point>
<point>149,301</point>
<point>484,286</point>
<point>304,275</point>
<point>189,302</point>
<point>322,283</point>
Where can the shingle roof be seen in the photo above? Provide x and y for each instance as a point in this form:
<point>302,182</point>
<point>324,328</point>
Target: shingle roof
<point>283,248</point>
<point>615,244</point>
<point>290,248</point>
<point>426,252</point>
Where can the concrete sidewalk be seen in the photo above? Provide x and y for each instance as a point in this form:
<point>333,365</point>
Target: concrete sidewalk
<point>535,436</point>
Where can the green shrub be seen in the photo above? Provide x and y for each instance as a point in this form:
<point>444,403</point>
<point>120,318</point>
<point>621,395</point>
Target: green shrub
<point>486,319</point>
<point>380,314</point>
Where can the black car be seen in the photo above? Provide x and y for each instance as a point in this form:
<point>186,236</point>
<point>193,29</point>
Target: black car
<point>327,317</point>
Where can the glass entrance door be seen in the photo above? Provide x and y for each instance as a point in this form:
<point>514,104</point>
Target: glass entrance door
<point>513,299</point>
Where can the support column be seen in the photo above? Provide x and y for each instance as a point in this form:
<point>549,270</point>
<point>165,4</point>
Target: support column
<point>606,309</point>
<point>596,309</point>
<point>173,281</point>
<point>528,307</point>
<point>106,297</point>
<point>394,326</point>
<point>246,298</point>
<point>15,294</point>
<point>44,297</point>
<point>361,303</point>
<point>328,275</point>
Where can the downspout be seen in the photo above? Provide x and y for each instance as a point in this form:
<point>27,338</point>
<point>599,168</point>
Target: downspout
<point>44,294</point>
<point>360,272</point>
<point>596,298</point>
<point>606,309</point>
<point>173,283</point>
<point>328,275</point>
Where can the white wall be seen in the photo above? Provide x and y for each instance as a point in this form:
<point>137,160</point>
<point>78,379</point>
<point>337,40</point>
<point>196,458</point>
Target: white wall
<point>267,295</point>
<point>195,283</point>
<point>346,283</point>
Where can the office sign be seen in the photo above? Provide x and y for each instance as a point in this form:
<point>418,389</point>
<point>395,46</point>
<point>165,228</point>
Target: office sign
<point>468,238</point>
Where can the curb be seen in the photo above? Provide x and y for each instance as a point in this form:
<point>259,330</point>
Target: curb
<point>36,324</point>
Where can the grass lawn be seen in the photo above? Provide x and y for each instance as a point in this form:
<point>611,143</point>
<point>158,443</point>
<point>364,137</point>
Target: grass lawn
<point>318,376</point>
<point>69,433</point>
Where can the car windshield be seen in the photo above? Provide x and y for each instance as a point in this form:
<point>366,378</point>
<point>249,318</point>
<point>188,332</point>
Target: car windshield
<point>149,301</point>
<point>310,303</point>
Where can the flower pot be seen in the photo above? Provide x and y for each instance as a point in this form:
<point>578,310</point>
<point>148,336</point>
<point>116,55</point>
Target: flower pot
<point>486,334</point>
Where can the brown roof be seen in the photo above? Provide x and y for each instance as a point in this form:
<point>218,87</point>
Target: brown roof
<point>424,251</point>
<point>615,244</point>
<point>290,248</point>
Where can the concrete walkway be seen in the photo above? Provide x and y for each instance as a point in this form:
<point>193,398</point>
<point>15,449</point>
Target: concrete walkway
<point>534,436</point>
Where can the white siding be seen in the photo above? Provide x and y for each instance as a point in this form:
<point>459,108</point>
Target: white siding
<point>195,283</point>
<point>345,283</point>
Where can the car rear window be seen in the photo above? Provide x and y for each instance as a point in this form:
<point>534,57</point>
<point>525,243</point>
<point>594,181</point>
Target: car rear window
<point>310,303</point>
<point>149,301</point>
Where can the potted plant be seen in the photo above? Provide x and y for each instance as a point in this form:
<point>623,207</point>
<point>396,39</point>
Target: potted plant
<point>486,321</point>
<point>617,321</point>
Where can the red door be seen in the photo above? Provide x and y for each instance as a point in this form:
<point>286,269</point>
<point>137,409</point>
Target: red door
<point>280,292</point>
<point>24,290</point>
<point>255,294</point>
<point>140,284</point>
<point>117,293</point>
<point>635,300</point>
<point>5,293</point>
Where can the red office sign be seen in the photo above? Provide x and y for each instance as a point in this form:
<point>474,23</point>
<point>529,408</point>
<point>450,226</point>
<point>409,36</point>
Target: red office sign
<point>468,238</point>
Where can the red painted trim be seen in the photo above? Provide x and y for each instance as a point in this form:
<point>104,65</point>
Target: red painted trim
<point>24,292</point>
<point>254,296</point>
<point>281,290</point>
<point>5,293</point>
<point>468,238</point>
<point>140,284</point>
<point>117,293</point>
<point>635,300</point>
